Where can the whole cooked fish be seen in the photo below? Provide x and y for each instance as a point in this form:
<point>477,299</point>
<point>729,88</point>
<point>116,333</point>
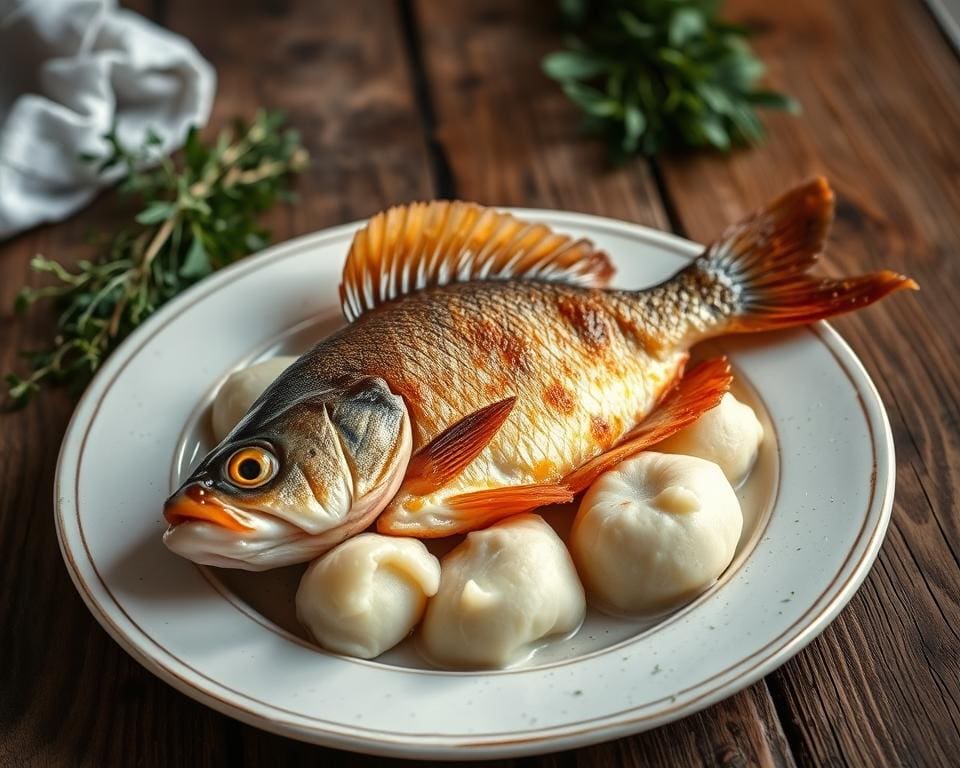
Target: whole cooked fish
<point>485,371</point>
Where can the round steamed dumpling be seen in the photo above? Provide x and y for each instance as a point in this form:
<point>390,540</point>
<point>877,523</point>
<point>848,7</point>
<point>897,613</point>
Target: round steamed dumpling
<point>367,594</point>
<point>728,435</point>
<point>239,391</point>
<point>654,532</point>
<point>502,591</point>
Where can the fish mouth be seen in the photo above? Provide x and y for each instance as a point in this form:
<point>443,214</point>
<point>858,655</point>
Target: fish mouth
<point>196,504</point>
<point>207,530</point>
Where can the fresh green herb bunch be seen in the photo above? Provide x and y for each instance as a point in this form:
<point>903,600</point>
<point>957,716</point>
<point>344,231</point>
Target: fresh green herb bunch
<point>193,219</point>
<point>661,74</point>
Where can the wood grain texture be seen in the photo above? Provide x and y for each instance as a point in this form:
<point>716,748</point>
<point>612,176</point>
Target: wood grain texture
<point>512,138</point>
<point>413,99</point>
<point>880,686</point>
<point>69,696</point>
<point>340,73</point>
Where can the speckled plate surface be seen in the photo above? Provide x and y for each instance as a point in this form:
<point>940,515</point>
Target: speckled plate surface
<point>816,510</point>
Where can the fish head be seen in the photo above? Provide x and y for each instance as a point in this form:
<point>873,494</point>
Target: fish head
<point>299,474</point>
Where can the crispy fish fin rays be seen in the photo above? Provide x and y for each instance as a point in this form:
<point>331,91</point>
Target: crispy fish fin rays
<point>482,508</point>
<point>411,247</point>
<point>441,460</point>
<point>698,391</point>
<point>765,260</point>
<point>479,509</point>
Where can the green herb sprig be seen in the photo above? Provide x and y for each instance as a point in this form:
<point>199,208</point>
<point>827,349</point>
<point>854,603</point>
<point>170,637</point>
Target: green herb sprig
<point>661,74</point>
<point>192,219</point>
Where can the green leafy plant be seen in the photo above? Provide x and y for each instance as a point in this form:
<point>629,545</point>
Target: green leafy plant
<point>661,74</point>
<point>191,219</point>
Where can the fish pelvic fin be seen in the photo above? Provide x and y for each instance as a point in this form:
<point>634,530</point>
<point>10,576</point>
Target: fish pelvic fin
<point>471,511</point>
<point>411,247</point>
<point>697,392</point>
<point>479,509</point>
<point>755,276</point>
<point>445,457</point>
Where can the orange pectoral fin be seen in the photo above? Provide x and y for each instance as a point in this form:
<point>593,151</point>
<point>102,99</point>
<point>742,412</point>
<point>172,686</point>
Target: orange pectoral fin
<point>478,509</point>
<point>471,511</point>
<point>698,392</point>
<point>441,460</point>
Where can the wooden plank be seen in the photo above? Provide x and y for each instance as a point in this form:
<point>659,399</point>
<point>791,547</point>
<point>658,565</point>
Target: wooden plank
<point>340,72</point>
<point>69,695</point>
<point>880,125</point>
<point>743,730</point>
<point>881,95</point>
<point>270,751</point>
<point>511,138</point>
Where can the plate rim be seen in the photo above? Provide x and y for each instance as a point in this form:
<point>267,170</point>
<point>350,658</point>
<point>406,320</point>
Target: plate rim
<point>836,597</point>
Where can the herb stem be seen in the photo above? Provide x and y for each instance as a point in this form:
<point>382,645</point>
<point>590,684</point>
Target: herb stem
<point>194,216</point>
<point>157,242</point>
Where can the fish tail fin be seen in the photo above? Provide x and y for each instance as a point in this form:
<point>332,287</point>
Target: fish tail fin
<point>755,277</point>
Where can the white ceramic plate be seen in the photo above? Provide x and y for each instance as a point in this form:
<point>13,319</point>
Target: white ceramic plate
<point>817,508</point>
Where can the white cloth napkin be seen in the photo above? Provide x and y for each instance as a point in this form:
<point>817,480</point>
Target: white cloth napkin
<point>69,71</point>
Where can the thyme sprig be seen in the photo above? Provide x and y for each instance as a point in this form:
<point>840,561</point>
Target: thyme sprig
<point>193,217</point>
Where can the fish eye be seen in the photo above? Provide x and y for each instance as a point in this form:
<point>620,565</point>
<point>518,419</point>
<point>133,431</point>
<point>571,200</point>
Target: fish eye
<point>251,467</point>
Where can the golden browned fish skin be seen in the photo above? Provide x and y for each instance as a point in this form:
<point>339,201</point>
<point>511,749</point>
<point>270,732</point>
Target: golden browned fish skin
<point>486,370</point>
<point>566,353</point>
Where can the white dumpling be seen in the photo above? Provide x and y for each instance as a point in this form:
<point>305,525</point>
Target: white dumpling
<point>241,389</point>
<point>654,532</point>
<point>728,435</point>
<point>503,590</point>
<point>367,594</point>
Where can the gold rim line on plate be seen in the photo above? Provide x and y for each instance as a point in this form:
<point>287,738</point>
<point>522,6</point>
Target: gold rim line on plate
<point>243,607</point>
<point>190,686</point>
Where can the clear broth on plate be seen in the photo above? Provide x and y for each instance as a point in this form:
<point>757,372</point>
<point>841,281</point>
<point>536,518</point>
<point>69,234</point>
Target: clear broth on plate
<point>268,596</point>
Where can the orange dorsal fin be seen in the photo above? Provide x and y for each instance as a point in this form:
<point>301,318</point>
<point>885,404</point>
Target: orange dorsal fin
<point>444,457</point>
<point>479,509</point>
<point>697,392</point>
<point>420,245</point>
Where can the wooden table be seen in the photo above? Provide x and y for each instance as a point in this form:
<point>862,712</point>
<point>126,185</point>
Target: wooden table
<point>413,100</point>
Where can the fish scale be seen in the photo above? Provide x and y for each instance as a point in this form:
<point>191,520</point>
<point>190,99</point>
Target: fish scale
<point>540,440</point>
<point>486,370</point>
